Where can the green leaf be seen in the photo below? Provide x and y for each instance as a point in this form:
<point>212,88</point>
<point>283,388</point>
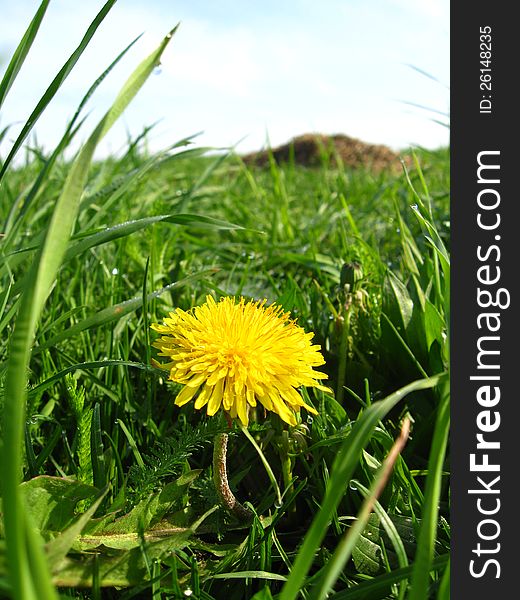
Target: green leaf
<point>125,568</point>
<point>434,325</point>
<point>123,533</point>
<point>368,553</point>
<point>263,594</point>
<point>51,502</point>
<point>58,547</point>
<point>397,302</point>
<point>120,568</point>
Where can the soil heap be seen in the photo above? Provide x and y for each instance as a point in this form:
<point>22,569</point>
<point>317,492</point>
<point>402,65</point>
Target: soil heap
<point>309,149</point>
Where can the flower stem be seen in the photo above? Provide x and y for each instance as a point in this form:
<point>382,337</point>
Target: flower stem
<point>220,480</point>
<point>343,356</point>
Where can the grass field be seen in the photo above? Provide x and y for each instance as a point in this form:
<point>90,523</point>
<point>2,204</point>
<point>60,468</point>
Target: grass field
<point>117,480</point>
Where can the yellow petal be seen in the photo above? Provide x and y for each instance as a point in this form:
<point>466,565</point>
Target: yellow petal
<point>185,395</point>
<point>242,411</point>
<point>215,399</point>
<point>203,397</point>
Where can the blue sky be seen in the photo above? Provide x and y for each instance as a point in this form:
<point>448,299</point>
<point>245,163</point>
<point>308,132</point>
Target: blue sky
<point>244,70</point>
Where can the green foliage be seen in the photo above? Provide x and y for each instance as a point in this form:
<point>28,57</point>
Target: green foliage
<point>171,454</point>
<point>117,480</point>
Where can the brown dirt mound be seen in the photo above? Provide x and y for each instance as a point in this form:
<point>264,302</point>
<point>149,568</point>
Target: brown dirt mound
<point>309,149</point>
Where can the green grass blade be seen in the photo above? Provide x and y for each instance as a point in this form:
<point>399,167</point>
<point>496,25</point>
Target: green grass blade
<point>425,546</point>
<point>266,464</point>
<point>40,579</point>
<point>348,542</point>
<point>391,531</point>
<point>38,285</point>
<point>250,575</point>
<point>97,449</point>
<point>123,229</point>
<point>133,85</point>
<point>379,587</point>
<point>85,367</point>
<point>132,444</point>
<point>55,85</point>
<point>116,312</point>
<point>11,227</point>
<point>444,587</point>
<point>342,470</point>
<point>21,52</point>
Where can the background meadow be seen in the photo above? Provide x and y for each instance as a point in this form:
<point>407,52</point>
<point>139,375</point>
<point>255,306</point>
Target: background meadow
<point>116,498</point>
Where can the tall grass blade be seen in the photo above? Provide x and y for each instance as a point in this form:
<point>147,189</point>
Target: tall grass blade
<point>11,226</point>
<point>342,471</point>
<point>379,587</point>
<point>344,549</point>
<point>21,52</point>
<point>427,535</point>
<point>21,555</point>
<point>55,85</point>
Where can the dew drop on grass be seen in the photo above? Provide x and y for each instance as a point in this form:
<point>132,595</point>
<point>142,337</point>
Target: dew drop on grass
<point>352,486</point>
<point>188,592</point>
<point>414,207</point>
<point>115,271</point>
<point>310,420</point>
<point>278,505</point>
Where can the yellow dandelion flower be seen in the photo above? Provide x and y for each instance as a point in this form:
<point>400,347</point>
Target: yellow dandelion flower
<point>231,355</point>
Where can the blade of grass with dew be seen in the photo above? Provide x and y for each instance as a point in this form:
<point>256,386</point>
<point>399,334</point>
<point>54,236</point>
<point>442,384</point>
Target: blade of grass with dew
<point>121,230</point>
<point>250,574</point>
<point>342,470</point>
<point>23,557</point>
<point>55,85</point>
<point>18,58</point>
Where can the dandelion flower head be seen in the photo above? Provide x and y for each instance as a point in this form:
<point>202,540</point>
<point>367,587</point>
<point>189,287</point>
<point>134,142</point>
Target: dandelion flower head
<point>233,355</point>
